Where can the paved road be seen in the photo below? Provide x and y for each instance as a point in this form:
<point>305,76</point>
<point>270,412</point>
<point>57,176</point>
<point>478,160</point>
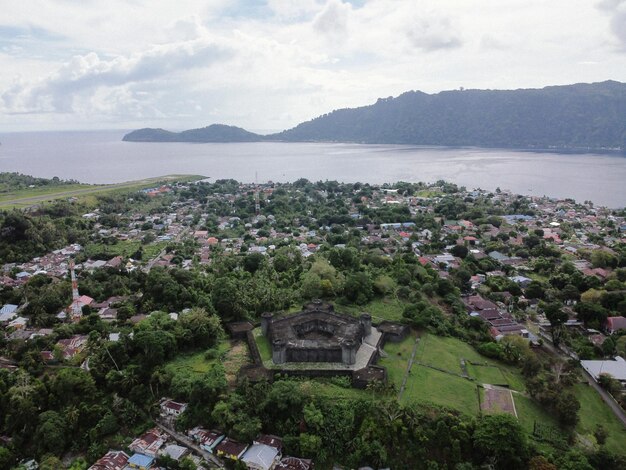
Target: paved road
<point>181,439</point>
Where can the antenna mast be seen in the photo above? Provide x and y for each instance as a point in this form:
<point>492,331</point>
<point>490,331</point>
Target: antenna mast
<point>76,309</point>
<point>257,204</point>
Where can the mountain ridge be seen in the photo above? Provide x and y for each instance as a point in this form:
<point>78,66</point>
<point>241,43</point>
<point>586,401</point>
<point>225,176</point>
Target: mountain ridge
<point>578,116</point>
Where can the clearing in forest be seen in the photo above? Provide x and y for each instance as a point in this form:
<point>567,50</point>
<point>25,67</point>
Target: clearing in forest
<point>236,357</point>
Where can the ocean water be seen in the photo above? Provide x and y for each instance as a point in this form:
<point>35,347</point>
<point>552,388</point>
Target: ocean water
<point>102,157</point>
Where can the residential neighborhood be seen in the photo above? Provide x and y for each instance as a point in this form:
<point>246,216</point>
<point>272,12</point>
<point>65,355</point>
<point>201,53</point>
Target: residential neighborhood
<point>484,303</point>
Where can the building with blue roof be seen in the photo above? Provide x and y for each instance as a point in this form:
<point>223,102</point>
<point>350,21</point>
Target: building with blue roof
<point>140,461</point>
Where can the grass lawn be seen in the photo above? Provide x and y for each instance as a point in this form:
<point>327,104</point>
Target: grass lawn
<point>428,193</point>
<point>380,309</point>
<point>594,411</point>
<point>11,198</point>
<point>487,374</point>
<point>124,248</point>
<point>263,345</point>
<point>150,251</point>
<point>431,386</point>
<point>196,363</point>
<point>428,385</point>
<point>425,385</point>
<point>529,411</point>
<point>327,389</point>
<point>446,353</point>
<point>234,359</point>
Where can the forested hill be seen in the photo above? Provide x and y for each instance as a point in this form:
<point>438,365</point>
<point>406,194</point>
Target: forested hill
<point>212,133</point>
<point>572,116</point>
<point>581,116</point>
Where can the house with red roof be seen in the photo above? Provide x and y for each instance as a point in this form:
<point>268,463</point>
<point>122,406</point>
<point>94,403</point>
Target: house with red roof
<point>73,345</point>
<point>614,324</point>
<point>172,408</point>
<point>112,460</point>
<point>231,449</point>
<point>149,443</point>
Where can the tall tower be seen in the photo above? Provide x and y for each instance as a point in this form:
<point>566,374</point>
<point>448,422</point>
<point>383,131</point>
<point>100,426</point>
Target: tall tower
<point>257,204</point>
<point>76,307</point>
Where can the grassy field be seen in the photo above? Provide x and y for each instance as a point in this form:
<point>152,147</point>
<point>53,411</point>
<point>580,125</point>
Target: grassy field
<point>529,411</point>
<point>425,384</point>
<point>432,386</point>
<point>34,196</point>
<point>446,353</point>
<point>594,411</point>
<point>381,309</point>
<point>234,359</point>
<point>428,193</point>
<point>327,389</point>
<point>487,374</point>
<point>150,251</point>
<point>44,192</point>
<point>124,248</point>
<point>263,345</point>
<point>196,364</point>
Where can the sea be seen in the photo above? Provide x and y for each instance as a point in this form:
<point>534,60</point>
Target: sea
<point>102,157</point>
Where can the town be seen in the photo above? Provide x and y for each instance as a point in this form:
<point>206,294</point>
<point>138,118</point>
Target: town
<point>303,325</point>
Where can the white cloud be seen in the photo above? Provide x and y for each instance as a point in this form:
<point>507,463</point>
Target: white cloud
<point>88,73</point>
<point>433,34</point>
<point>617,11</point>
<point>192,62</point>
<point>333,19</point>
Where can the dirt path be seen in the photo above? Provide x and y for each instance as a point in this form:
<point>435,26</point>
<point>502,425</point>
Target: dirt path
<point>408,368</point>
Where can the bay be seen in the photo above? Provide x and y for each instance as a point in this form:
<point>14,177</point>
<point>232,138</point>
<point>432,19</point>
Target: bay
<point>102,157</point>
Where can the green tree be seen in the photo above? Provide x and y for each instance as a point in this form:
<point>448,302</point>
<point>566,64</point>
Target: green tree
<point>198,329</point>
<point>7,459</point>
<point>50,462</point>
<point>359,288</point>
<point>557,318</point>
<point>601,434</point>
<point>51,433</point>
<point>500,437</point>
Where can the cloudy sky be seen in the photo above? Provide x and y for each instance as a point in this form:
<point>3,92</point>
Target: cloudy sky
<point>270,64</point>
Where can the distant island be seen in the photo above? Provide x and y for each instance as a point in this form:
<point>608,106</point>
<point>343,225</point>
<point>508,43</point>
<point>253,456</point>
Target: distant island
<point>212,133</point>
<point>581,116</point>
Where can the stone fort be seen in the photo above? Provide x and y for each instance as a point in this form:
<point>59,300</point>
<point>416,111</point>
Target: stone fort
<point>316,334</point>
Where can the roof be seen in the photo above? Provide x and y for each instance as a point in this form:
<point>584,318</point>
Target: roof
<point>269,440</point>
<point>112,460</point>
<point>174,451</point>
<point>140,460</point>
<point>616,323</point>
<point>174,405</point>
<point>8,308</point>
<point>149,442</point>
<point>294,463</point>
<point>261,455</point>
<point>204,436</point>
<point>616,368</point>
<point>231,447</point>
<point>85,300</point>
